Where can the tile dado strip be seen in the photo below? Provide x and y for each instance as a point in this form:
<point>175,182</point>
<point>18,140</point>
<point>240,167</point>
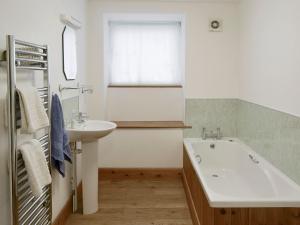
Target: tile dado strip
<point>274,135</point>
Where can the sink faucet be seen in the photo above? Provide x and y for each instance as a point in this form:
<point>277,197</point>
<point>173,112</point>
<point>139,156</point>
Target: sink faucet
<point>216,135</point>
<point>82,117</point>
<point>79,118</point>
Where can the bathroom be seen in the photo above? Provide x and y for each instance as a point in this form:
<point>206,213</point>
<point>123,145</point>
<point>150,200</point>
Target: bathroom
<point>215,141</point>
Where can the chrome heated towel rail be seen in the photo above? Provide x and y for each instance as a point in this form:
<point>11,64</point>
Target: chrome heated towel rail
<point>25,208</point>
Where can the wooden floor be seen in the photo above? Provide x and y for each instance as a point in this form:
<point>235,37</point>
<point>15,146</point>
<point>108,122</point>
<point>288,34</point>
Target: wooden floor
<point>157,201</point>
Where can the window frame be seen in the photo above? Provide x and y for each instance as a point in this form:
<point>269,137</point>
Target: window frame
<point>140,18</point>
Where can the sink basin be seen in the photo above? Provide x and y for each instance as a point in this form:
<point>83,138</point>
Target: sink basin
<point>90,130</point>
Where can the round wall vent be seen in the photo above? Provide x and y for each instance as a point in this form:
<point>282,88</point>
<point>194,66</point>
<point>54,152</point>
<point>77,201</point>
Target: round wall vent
<point>215,25</point>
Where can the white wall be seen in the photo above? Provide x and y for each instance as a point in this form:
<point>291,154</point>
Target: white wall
<point>211,72</point>
<point>142,148</point>
<point>211,58</point>
<point>145,104</point>
<point>38,21</point>
<point>270,68</point>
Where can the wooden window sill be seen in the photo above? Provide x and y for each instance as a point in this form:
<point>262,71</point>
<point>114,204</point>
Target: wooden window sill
<point>143,86</point>
<point>151,124</point>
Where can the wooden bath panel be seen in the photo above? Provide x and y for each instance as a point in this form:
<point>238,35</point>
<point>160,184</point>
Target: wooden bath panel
<point>203,214</point>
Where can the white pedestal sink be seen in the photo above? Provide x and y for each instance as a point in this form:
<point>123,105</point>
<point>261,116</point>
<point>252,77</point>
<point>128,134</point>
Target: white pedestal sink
<point>89,132</point>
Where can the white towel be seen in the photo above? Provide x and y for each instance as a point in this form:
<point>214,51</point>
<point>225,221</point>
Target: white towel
<point>36,166</point>
<point>33,114</point>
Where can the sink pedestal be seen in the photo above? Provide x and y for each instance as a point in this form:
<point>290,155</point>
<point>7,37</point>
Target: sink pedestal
<point>88,133</point>
<point>90,177</point>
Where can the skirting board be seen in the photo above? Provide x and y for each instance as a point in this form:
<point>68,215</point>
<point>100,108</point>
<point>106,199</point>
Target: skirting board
<point>138,173</point>
<point>67,210</point>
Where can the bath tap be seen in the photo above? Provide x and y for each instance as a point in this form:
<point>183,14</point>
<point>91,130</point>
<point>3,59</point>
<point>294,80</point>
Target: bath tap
<point>215,135</point>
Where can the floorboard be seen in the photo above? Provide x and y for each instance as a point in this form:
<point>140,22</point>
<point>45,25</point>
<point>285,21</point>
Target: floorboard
<point>157,201</point>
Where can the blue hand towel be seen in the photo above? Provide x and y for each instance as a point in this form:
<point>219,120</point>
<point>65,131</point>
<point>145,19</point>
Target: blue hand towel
<point>60,149</point>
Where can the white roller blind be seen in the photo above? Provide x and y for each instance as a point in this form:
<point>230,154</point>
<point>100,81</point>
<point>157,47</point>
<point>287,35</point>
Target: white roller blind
<point>145,53</point>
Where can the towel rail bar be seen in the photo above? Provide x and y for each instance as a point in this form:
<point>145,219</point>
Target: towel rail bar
<point>44,137</point>
<point>26,203</point>
<point>31,214</point>
<point>23,187</point>
<point>43,89</point>
<point>20,165</point>
<point>18,59</point>
<point>31,207</point>
<point>44,96</point>
<point>23,196</point>
<point>22,172</point>
<point>29,52</point>
<point>28,44</point>
<point>44,219</point>
<point>25,208</point>
<point>31,68</point>
<point>23,179</point>
<point>38,216</point>
<point>45,144</point>
<point>26,196</point>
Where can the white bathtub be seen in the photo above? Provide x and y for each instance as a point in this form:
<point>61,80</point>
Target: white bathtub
<point>230,178</point>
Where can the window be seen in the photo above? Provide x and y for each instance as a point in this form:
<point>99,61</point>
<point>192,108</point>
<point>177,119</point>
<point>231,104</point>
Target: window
<point>145,52</point>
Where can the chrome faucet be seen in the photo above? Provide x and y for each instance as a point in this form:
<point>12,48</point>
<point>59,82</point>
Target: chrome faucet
<point>216,135</point>
<point>78,118</point>
<point>82,117</point>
